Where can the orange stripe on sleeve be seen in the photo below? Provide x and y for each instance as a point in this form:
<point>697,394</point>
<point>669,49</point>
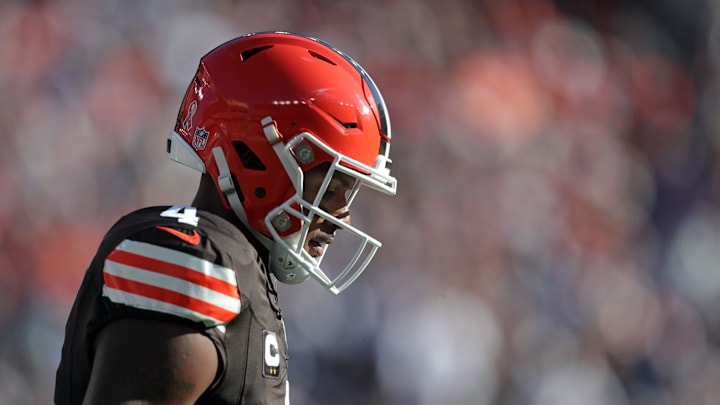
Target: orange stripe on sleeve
<point>169,296</point>
<point>174,270</point>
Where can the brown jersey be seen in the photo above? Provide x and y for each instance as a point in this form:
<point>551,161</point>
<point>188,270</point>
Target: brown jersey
<point>189,266</point>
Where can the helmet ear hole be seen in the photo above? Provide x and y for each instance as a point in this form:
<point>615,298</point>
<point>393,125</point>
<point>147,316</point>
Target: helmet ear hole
<point>248,158</point>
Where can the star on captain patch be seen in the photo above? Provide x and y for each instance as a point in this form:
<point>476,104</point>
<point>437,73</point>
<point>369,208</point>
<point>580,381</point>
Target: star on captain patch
<point>200,138</point>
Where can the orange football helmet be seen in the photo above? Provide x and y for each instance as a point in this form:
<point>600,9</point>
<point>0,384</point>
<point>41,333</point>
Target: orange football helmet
<point>265,108</point>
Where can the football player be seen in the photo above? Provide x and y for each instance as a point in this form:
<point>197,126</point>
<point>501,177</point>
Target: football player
<point>179,304</point>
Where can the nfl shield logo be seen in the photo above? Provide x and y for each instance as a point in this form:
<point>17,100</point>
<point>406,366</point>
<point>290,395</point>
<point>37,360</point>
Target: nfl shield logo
<point>200,138</point>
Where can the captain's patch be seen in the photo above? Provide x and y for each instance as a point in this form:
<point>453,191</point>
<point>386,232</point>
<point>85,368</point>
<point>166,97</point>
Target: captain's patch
<point>271,355</point>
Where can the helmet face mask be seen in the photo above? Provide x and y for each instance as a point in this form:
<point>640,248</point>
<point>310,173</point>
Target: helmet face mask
<point>290,251</point>
<point>262,112</point>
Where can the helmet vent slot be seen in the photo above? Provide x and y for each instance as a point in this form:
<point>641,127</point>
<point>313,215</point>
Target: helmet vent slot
<point>347,124</point>
<point>245,55</point>
<point>321,57</point>
<point>248,158</point>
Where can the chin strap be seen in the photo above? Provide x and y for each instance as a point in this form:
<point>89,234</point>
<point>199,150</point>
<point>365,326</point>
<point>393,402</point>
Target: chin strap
<point>227,186</point>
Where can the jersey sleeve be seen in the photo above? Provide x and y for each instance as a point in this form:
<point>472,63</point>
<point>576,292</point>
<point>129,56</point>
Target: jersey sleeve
<point>162,272</point>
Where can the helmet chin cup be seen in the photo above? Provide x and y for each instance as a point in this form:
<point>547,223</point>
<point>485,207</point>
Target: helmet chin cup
<point>285,268</point>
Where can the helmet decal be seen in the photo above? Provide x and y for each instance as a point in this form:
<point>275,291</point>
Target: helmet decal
<point>187,122</point>
<point>200,138</point>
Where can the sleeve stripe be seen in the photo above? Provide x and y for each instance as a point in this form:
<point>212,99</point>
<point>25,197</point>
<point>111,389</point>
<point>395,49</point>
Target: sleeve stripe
<point>142,302</point>
<point>182,259</point>
<point>203,277</point>
<point>153,277</point>
<point>184,305</point>
<point>177,285</point>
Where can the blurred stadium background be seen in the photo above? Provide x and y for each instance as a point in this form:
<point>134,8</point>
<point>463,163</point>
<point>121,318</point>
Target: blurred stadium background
<point>555,240</point>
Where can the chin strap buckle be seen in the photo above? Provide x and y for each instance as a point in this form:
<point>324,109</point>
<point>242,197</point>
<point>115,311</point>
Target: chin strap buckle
<point>225,182</point>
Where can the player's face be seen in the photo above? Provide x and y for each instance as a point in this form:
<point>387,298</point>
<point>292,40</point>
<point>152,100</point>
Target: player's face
<point>334,201</point>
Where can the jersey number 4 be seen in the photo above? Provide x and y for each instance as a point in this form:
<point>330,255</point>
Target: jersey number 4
<point>185,215</point>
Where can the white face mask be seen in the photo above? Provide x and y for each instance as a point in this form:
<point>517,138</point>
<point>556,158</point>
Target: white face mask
<point>352,248</point>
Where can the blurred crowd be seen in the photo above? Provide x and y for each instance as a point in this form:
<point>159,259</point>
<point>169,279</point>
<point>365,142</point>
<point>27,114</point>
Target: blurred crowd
<point>556,235</point>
